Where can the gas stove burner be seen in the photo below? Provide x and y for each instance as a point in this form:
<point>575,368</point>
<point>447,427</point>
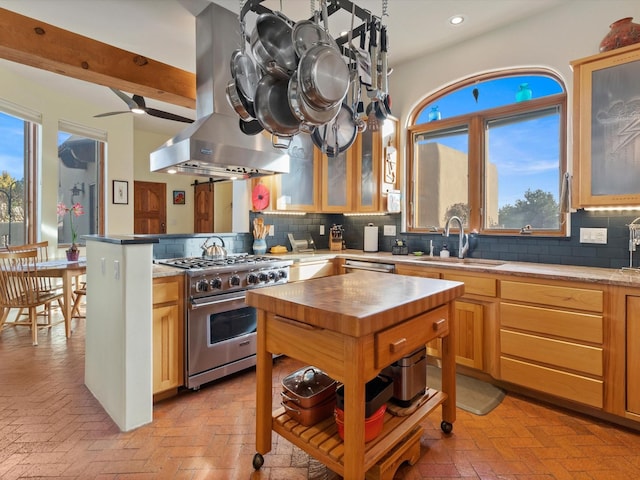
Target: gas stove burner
<point>239,261</point>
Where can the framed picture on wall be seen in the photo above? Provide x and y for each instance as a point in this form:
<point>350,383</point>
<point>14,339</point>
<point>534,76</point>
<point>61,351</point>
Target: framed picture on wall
<point>178,197</point>
<point>120,191</point>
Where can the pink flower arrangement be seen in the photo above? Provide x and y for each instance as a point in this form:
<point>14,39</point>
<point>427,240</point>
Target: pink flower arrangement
<point>75,210</point>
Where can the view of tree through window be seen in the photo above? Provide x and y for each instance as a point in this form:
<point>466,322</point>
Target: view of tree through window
<point>492,153</point>
<point>13,161</point>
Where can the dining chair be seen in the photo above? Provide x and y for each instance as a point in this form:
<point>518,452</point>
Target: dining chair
<point>78,294</point>
<point>20,287</point>
<point>47,284</point>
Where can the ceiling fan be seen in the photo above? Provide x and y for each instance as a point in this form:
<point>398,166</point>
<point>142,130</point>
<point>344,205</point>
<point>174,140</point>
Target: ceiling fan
<point>137,105</point>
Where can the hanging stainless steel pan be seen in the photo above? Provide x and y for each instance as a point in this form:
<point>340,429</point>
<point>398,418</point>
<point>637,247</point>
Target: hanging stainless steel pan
<point>245,74</point>
<point>306,34</point>
<point>272,108</point>
<point>304,111</point>
<point>324,76</point>
<point>336,137</point>
<point>243,107</point>
<point>272,45</point>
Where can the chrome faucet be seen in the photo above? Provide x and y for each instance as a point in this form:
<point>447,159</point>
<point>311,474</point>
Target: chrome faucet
<point>463,243</point>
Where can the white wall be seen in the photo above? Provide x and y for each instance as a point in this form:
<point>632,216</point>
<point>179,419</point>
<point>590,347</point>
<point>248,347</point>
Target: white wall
<point>552,40</point>
<point>54,107</point>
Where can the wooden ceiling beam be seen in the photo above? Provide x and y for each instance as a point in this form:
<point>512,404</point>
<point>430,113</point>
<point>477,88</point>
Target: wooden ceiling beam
<point>31,42</point>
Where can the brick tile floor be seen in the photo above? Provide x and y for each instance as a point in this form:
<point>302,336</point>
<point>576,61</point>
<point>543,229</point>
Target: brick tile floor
<point>51,427</point>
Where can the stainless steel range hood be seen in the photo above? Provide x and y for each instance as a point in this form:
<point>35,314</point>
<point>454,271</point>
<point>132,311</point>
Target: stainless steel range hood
<point>213,146</point>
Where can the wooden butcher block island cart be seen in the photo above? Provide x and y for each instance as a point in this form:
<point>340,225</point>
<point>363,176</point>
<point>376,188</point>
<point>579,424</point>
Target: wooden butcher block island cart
<point>351,326</point>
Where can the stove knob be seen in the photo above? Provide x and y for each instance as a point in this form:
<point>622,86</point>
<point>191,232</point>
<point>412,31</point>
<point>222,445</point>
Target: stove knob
<point>216,283</point>
<point>252,279</point>
<point>234,280</point>
<point>272,276</point>
<point>202,286</point>
<point>263,277</point>
<point>282,274</point>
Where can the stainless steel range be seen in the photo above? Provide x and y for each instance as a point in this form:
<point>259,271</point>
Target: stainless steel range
<point>220,337</point>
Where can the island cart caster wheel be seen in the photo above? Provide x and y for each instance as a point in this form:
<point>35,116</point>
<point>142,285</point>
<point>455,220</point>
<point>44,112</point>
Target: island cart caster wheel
<point>446,427</point>
<point>258,461</point>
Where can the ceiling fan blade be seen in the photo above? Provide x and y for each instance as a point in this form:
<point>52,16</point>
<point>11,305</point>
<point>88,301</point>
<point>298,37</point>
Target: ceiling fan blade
<point>139,101</point>
<point>111,113</point>
<point>125,98</point>
<point>168,116</point>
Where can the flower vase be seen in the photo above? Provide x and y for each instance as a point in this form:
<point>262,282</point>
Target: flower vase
<point>623,32</point>
<point>73,253</point>
<point>259,246</point>
<point>434,114</point>
<point>524,93</point>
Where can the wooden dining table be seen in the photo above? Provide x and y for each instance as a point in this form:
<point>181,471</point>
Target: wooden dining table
<point>68,271</point>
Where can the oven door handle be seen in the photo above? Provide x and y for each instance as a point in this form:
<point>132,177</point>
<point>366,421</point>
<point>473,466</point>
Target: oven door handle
<point>216,300</point>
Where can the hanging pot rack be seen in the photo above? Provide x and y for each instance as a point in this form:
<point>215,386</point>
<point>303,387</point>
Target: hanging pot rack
<point>333,6</point>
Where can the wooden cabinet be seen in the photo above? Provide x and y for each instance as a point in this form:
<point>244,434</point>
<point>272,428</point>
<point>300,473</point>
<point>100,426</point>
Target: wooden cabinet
<point>306,270</point>
<point>605,143</point>
<point>469,314</point>
<point>551,339</point>
<point>633,354</point>
<point>168,333</point>
<point>337,182</point>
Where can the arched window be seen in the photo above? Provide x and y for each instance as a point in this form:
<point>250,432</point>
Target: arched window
<point>491,150</point>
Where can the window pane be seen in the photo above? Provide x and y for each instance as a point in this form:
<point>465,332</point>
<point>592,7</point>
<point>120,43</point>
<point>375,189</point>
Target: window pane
<point>79,167</point>
<point>490,93</point>
<point>522,171</point>
<point>13,158</point>
<point>441,169</point>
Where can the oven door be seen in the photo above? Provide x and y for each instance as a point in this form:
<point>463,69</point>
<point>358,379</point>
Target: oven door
<point>221,337</point>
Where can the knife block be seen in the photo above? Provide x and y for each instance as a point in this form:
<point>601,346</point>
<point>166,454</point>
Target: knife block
<point>335,244</point>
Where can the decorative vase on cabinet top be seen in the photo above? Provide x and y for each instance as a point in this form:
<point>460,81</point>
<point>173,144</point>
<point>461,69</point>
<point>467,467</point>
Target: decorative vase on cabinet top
<point>524,93</point>
<point>623,32</point>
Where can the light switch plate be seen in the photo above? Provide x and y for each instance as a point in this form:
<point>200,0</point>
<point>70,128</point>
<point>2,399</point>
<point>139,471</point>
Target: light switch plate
<point>321,229</point>
<point>272,230</point>
<point>389,230</point>
<point>593,235</point>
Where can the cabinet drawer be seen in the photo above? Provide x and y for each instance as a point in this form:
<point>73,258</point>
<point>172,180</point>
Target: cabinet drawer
<point>581,358</point>
<point>474,285</point>
<point>165,291</point>
<point>578,326</point>
<point>565,297</point>
<point>415,271</point>
<point>401,340</point>
<point>554,382</point>
<point>305,271</point>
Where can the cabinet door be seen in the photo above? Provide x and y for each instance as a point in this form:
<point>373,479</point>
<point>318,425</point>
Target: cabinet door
<point>337,182</point>
<point>469,324</point>
<point>633,354</point>
<point>167,348</point>
<point>368,171</point>
<point>299,189</point>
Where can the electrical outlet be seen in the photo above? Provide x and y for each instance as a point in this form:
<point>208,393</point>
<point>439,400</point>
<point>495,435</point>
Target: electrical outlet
<point>593,235</point>
<point>389,230</point>
<point>321,229</point>
<point>272,230</point>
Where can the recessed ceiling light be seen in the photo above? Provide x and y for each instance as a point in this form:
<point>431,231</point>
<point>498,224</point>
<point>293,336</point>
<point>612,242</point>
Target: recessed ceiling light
<point>456,20</point>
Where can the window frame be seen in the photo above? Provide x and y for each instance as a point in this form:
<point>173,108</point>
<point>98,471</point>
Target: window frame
<point>475,123</point>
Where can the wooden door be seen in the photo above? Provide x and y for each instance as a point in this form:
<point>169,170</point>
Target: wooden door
<point>149,207</point>
<point>203,208</point>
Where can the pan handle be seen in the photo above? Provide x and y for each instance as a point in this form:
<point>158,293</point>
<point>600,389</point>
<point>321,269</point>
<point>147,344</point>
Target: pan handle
<point>275,141</point>
<point>287,397</point>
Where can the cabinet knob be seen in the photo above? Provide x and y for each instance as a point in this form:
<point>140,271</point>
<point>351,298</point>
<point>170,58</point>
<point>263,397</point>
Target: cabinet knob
<point>439,323</point>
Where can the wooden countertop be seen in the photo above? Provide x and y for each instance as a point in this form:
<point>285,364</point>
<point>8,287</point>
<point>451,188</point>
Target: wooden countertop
<point>356,304</point>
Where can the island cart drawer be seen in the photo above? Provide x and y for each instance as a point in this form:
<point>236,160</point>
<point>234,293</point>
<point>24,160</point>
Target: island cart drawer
<point>474,285</point>
<point>403,339</point>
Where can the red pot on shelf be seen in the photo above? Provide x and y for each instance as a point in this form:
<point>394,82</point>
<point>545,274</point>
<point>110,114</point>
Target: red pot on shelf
<point>623,32</point>
<point>372,425</point>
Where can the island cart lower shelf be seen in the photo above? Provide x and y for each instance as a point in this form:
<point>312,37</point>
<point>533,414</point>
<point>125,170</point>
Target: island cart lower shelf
<point>323,442</point>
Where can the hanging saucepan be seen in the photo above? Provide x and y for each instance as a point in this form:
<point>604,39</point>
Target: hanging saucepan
<point>306,34</point>
<point>272,109</point>
<point>337,136</point>
<point>213,251</point>
<point>323,75</point>
<point>305,112</point>
<point>251,127</point>
<point>242,107</point>
<point>245,74</point>
<point>272,45</point>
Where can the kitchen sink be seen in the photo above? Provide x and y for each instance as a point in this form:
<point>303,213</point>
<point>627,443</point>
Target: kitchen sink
<point>481,262</point>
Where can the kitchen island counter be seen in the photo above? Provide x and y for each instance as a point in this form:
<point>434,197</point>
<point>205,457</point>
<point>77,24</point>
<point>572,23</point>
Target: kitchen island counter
<point>351,327</point>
